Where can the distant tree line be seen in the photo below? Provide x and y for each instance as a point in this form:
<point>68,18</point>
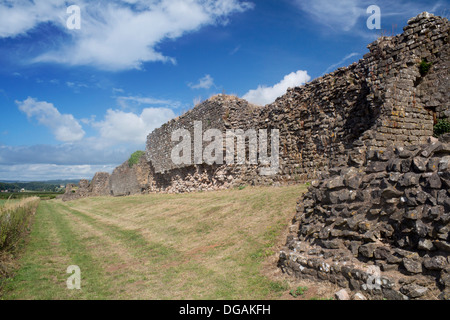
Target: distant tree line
<point>29,186</point>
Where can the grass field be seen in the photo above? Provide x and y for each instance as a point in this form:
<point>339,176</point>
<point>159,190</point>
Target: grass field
<point>214,245</point>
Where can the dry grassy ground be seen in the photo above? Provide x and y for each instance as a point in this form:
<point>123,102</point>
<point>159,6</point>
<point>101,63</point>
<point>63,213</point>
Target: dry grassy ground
<point>215,245</point>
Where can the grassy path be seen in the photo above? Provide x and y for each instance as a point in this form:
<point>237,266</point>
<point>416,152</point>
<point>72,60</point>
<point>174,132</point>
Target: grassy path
<point>194,246</point>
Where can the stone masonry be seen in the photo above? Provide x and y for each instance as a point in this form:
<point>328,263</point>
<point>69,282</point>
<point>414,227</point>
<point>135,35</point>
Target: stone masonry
<point>381,229</point>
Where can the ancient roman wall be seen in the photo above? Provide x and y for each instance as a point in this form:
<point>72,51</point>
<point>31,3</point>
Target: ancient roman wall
<point>126,180</point>
<point>381,231</point>
<point>380,101</point>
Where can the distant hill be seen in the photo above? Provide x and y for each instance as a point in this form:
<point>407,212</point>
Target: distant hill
<point>51,185</point>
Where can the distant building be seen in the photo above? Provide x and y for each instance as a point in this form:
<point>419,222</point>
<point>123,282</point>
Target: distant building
<point>22,190</point>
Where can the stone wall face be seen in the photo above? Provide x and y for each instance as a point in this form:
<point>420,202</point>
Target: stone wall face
<point>125,181</point>
<point>214,113</point>
<point>382,230</point>
<point>99,185</point>
<point>85,188</point>
<point>382,100</point>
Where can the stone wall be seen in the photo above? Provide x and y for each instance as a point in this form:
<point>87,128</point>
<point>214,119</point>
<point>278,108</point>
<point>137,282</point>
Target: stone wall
<point>82,190</point>
<point>126,180</point>
<point>99,185</point>
<point>381,230</point>
<point>215,113</point>
<point>380,101</point>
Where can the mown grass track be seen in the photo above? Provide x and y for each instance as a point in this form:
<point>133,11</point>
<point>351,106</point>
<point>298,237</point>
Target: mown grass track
<point>193,246</point>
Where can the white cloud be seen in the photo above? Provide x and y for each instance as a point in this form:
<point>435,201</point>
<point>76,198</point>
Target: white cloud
<point>204,83</point>
<point>345,15</point>
<point>265,95</point>
<point>118,134</point>
<point>64,126</point>
<point>235,50</point>
<point>119,126</point>
<point>126,102</point>
<point>116,35</point>
<point>76,85</point>
<point>19,16</point>
<point>42,172</point>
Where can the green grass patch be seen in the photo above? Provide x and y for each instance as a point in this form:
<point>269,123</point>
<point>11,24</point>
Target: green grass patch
<point>298,292</point>
<point>211,245</point>
<point>52,248</point>
<point>14,221</point>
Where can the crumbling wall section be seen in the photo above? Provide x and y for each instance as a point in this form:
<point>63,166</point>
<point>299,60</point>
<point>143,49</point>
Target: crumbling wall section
<point>382,230</point>
<point>126,180</point>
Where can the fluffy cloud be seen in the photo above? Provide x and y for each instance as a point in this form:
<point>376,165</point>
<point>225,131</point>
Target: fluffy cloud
<point>204,83</point>
<point>89,151</point>
<point>107,27</point>
<point>64,126</point>
<point>19,16</point>
<point>119,135</point>
<point>265,95</point>
<point>119,126</point>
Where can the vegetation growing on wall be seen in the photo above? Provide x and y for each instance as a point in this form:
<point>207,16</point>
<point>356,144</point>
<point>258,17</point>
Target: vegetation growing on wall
<point>443,126</point>
<point>134,159</point>
<point>424,67</point>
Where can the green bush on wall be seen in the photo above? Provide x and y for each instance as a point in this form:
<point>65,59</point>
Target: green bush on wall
<point>134,159</point>
<point>424,67</point>
<point>443,126</point>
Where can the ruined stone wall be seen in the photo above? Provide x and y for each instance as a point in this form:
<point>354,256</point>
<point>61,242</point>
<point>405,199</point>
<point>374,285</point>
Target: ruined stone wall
<point>82,190</point>
<point>380,101</point>
<point>213,114</point>
<point>99,186</point>
<point>126,180</point>
<point>381,230</point>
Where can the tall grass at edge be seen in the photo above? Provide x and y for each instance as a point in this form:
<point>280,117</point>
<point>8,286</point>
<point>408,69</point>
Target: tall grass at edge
<point>14,221</point>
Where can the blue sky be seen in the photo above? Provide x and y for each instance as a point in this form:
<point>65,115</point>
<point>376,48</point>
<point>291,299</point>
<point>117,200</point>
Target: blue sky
<point>78,101</point>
